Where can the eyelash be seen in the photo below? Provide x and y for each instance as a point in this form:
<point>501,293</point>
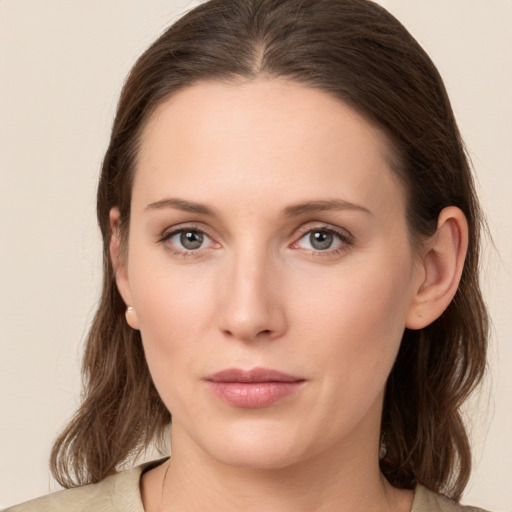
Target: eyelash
<point>344,236</point>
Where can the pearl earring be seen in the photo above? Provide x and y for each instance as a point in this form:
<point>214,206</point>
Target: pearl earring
<point>129,309</point>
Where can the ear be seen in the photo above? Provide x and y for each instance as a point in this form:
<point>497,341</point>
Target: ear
<point>441,269</point>
<point>118,259</point>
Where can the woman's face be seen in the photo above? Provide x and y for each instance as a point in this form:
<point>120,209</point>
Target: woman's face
<point>270,272</point>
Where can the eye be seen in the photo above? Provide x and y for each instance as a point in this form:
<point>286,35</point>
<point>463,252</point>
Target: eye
<point>320,240</point>
<point>188,239</point>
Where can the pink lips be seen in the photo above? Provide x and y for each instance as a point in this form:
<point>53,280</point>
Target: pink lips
<point>253,389</point>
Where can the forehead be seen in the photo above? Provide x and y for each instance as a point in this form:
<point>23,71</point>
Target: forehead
<point>259,137</point>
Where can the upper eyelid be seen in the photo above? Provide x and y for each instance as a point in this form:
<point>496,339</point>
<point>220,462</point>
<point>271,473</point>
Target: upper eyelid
<point>321,226</point>
<point>172,230</point>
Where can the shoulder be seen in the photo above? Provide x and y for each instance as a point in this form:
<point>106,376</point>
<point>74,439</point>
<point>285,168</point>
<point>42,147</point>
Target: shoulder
<point>428,501</point>
<point>116,493</point>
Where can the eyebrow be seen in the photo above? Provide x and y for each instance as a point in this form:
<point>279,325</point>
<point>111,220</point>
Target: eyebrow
<point>182,204</point>
<point>290,211</point>
<point>323,205</point>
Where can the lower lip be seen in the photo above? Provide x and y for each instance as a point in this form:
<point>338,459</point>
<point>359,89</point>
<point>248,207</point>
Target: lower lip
<point>254,395</point>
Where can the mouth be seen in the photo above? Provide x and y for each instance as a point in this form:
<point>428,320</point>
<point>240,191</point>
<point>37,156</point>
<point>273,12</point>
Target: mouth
<point>255,388</point>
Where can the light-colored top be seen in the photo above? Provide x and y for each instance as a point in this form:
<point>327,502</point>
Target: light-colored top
<point>121,493</point>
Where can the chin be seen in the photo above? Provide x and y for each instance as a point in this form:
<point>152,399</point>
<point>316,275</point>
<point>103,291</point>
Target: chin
<point>259,447</point>
<point>257,457</point>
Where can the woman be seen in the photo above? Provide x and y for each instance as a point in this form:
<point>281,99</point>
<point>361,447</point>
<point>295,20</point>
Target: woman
<point>291,240</point>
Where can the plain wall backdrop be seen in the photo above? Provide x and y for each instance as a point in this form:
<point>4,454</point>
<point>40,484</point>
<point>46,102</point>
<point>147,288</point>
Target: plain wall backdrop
<point>62,64</point>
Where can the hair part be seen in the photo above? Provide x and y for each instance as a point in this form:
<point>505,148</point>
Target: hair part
<point>359,53</point>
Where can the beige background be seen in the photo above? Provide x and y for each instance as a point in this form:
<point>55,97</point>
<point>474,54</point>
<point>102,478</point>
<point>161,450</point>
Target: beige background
<point>62,63</point>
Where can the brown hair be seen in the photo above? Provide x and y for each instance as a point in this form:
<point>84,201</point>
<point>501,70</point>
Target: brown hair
<point>358,52</point>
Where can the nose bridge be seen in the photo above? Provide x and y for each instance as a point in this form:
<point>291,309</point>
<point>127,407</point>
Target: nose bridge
<point>252,305</point>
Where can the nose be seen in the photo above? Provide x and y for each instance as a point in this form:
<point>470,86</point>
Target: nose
<point>252,305</point>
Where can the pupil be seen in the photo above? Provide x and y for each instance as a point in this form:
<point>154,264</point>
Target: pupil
<point>321,240</point>
<point>191,239</point>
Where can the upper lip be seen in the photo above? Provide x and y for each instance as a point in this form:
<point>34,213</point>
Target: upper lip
<point>252,375</point>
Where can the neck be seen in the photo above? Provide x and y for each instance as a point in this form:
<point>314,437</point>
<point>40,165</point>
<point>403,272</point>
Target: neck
<point>193,482</point>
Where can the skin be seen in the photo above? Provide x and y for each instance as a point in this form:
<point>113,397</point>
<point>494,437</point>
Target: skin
<point>256,293</point>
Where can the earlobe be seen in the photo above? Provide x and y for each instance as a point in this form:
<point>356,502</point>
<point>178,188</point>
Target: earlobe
<point>131,317</point>
<point>119,264</point>
<point>442,266</point>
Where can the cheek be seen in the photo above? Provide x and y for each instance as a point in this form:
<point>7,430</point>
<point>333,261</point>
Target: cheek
<point>351,331</point>
<point>168,296</point>
<point>174,308</point>
<point>355,319</point>
<point>172,328</point>
<point>174,313</point>
<point>362,295</point>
